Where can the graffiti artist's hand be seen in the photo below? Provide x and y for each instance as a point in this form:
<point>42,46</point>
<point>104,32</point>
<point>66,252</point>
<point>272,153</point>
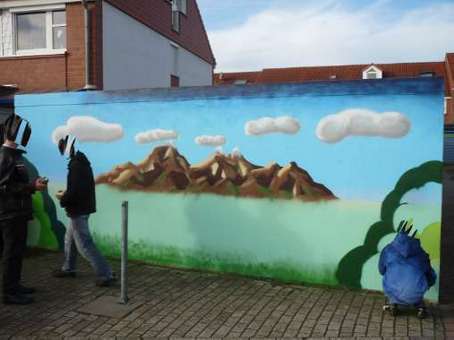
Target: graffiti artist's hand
<point>40,184</point>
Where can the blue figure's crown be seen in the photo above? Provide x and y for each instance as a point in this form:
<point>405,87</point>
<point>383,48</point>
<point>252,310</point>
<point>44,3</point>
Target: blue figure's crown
<point>405,228</point>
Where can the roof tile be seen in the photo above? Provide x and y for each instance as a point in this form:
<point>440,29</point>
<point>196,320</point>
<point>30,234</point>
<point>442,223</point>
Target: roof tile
<point>341,72</point>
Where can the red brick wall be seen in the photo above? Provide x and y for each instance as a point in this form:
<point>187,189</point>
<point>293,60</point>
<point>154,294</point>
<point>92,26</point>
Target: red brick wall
<point>75,45</point>
<point>449,83</point>
<point>59,72</point>
<point>449,118</point>
<point>34,74</point>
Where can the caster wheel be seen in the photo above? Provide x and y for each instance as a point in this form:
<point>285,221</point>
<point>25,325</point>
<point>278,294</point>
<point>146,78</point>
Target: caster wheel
<point>391,309</point>
<point>394,311</point>
<point>422,313</point>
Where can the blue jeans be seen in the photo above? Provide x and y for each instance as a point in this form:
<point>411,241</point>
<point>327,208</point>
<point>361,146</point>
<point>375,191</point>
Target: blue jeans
<point>78,238</point>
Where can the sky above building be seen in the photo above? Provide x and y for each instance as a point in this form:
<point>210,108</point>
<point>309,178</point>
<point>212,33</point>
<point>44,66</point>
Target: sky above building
<point>257,34</point>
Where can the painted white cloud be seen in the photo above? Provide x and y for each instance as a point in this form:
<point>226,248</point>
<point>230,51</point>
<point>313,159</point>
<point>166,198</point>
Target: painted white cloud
<point>155,135</point>
<point>362,122</point>
<point>266,125</point>
<point>304,33</point>
<point>205,140</point>
<point>88,129</point>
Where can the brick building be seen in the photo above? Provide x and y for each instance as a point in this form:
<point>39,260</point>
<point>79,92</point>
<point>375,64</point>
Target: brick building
<point>131,44</point>
<point>443,69</point>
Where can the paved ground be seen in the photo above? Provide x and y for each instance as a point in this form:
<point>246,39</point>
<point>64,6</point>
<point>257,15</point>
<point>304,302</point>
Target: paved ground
<point>199,305</point>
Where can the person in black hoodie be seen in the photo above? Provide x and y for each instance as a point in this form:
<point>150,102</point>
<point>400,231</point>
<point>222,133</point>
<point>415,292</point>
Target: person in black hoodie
<point>16,210</point>
<point>79,201</point>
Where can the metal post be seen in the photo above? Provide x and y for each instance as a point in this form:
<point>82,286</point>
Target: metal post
<point>124,253</point>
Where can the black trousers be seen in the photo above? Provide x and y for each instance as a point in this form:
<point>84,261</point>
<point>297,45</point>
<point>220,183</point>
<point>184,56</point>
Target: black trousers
<point>14,235</point>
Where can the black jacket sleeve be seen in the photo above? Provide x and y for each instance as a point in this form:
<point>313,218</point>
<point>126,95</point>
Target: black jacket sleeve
<point>18,189</point>
<point>71,195</point>
<point>6,169</point>
<point>7,186</point>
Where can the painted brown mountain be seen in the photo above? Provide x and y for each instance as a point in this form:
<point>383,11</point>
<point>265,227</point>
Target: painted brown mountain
<point>166,170</point>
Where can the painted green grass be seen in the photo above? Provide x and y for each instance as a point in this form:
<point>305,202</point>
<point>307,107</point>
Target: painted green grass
<point>274,239</point>
<point>47,237</point>
<point>174,257</point>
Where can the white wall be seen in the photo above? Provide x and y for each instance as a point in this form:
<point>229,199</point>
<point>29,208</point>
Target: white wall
<point>134,56</point>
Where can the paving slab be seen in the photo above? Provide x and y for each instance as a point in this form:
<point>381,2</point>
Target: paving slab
<point>171,303</point>
<point>109,306</point>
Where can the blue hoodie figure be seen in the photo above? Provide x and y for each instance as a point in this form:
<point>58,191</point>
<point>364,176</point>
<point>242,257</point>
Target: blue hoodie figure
<point>407,273</point>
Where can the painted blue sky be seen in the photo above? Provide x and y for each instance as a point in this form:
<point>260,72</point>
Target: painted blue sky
<point>355,168</point>
<point>256,34</point>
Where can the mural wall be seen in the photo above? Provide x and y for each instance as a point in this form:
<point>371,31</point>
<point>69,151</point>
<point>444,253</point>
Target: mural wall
<point>301,183</point>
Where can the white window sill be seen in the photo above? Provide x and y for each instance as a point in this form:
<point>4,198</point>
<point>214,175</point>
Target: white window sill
<point>40,52</point>
<point>32,53</point>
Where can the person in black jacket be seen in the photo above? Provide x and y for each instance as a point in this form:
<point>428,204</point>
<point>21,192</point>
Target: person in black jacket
<point>15,207</point>
<point>79,201</point>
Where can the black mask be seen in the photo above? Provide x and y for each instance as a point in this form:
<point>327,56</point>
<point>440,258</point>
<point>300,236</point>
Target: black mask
<point>66,146</point>
<point>15,124</point>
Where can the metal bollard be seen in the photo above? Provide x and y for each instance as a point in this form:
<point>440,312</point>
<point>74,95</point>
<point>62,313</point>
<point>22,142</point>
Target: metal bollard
<point>124,253</point>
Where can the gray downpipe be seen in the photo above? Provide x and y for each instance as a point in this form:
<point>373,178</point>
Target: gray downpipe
<point>88,85</point>
<point>1,33</point>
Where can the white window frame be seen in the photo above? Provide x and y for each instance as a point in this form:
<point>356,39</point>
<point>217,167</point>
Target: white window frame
<point>176,22</point>
<point>427,74</point>
<point>48,10</point>
<point>372,69</point>
<point>7,4</point>
<point>182,6</point>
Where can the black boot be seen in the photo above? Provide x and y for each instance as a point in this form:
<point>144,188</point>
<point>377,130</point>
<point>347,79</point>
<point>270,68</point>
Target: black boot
<point>391,309</point>
<point>63,273</point>
<point>17,299</point>
<point>106,282</point>
<point>422,313</point>
<point>394,310</point>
